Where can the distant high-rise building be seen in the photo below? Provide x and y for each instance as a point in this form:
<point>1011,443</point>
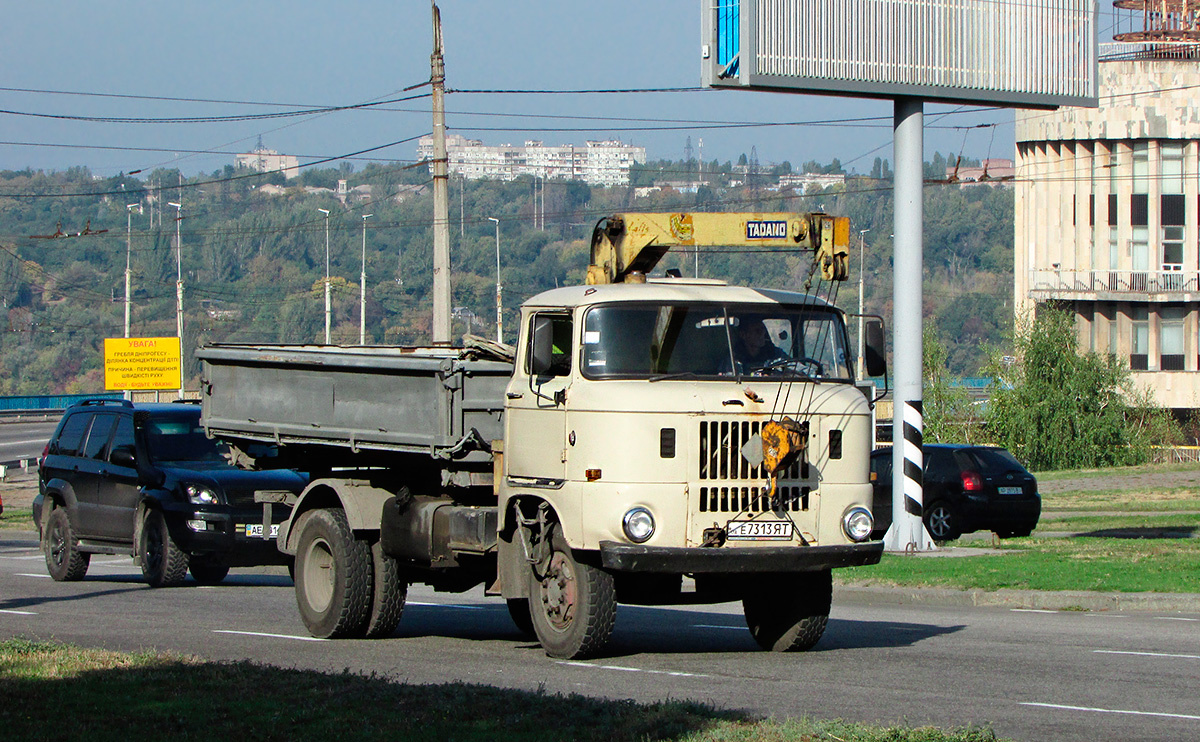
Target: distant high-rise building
<point>1107,219</point>
<point>265,160</point>
<point>597,163</point>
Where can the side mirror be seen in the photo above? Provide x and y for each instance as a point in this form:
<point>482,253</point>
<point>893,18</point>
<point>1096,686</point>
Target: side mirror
<point>875,350</point>
<point>123,456</point>
<point>541,356</point>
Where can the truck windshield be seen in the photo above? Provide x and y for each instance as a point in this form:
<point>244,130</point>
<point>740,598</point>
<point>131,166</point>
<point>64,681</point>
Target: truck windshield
<point>181,438</point>
<point>717,341</point>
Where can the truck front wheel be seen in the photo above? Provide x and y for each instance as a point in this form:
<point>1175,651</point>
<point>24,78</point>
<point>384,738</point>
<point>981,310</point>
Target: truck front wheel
<point>573,606</point>
<point>788,613</point>
<point>334,576</point>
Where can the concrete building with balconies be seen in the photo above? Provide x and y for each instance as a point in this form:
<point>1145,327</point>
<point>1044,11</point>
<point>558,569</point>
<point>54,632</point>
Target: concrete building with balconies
<point>1107,216</point>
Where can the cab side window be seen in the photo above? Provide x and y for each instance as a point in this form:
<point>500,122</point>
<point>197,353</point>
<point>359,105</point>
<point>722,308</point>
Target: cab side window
<point>71,437</point>
<point>97,438</point>
<point>560,337</point>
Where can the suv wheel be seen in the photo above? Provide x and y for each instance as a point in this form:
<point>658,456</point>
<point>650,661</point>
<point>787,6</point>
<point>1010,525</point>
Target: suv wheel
<point>942,521</point>
<point>64,561</point>
<point>163,562</point>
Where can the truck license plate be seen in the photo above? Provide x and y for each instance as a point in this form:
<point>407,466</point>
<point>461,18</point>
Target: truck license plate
<point>759,530</point>
<point>255,530</point>
<point>1010,490</point>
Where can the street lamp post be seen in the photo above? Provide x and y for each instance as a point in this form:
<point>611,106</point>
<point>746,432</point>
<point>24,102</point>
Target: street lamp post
<point>499,302</point>
<point>861,284</point>
<point>178,285</point>
<point>328,305</point>
<point>362,285</point>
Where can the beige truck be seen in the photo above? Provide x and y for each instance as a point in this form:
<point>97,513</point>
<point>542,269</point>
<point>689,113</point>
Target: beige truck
<point>650,441</point>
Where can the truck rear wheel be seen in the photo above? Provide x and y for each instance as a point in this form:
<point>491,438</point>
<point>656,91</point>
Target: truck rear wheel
<point>573,606</point>
<point>389,592</point>
<point>788,613</point>
<point>333,576</point>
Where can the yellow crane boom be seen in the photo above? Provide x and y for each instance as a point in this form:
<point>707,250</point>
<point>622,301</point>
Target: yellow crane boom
<point>624,244</point>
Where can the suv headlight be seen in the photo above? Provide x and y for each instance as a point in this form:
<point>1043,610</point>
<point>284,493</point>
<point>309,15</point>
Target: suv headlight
<point>858,523</point>
<point>200,495</point>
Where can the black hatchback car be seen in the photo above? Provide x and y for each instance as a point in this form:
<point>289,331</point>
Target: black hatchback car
<point>966,488</point>
<point>119,478</point>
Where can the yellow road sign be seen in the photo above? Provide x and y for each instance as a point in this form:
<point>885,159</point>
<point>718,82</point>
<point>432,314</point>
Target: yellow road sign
<point>142,363</point>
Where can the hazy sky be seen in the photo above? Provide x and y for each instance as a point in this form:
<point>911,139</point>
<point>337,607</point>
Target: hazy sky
<point>308,53</point>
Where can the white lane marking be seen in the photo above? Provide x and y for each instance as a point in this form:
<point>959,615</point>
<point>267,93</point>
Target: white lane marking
<point>18,613</point>
<point>1150,654</point>
<point>23,558</point>
<point>1173,618</point>
<point>1032,610</point>
<point>714,626</point>
<point>1105,615</point>
<point>1110,711</point>
<point>449,605</point>
<point>270,636</point>
<point>30,574</point>
<point>633,669</point>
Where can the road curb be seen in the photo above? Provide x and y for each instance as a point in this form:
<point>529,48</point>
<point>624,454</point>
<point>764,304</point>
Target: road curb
<point>1061,600</point>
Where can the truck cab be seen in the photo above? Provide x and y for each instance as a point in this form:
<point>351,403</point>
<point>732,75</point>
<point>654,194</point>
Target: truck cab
<point>635,423</point>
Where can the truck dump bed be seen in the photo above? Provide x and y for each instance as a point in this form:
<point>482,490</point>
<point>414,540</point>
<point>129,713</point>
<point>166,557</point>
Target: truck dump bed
<point>442,402</point>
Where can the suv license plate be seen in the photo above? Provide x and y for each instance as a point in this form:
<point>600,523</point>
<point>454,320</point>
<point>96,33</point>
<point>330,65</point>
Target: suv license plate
<point>759,530</point>
<point>255,530</point>
<point>1011,490</point>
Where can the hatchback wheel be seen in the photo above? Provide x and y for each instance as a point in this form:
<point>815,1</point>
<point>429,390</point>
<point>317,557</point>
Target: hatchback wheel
<point>942,521</point>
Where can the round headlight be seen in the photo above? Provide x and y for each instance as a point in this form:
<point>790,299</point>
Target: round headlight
<point>858,523</point>
<point>638,525</point>
<point>199,495</point>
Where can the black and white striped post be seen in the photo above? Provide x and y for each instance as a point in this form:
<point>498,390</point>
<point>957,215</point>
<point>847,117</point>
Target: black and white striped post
<point>907,532</point>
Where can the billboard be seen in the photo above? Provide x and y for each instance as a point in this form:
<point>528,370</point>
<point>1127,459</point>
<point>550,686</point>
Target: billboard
<point>142,363</point>
<point>1023,53</point>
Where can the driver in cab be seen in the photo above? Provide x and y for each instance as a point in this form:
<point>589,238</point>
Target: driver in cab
<point>752,346</point>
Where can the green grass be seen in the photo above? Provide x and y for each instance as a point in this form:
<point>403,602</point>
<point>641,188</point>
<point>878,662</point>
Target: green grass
<point>1101,564</point>
<point>1182,522</point>
<point>1113,472</point>
<point>54,691</point>
<point>1165,500</point>
<point>17,519</point>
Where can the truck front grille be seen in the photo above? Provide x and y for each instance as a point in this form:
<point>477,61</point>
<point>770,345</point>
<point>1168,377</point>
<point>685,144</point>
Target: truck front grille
<point>721,452</point>
<point>752,499</point>
<point>741,486</point>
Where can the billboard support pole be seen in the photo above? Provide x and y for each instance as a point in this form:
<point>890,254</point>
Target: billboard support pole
<point>907,532</point>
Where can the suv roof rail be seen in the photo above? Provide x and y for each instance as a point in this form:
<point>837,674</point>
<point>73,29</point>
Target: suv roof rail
<point>103,401</point>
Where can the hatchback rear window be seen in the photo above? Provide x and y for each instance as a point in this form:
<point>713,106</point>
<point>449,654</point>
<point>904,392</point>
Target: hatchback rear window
<point>995,460</point>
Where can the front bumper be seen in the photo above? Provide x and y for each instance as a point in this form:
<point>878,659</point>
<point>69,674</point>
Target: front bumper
<point>224,537</point>
<point>620,557</point>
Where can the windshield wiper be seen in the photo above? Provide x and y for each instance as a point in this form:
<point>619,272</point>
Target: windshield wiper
<point>679,375</point>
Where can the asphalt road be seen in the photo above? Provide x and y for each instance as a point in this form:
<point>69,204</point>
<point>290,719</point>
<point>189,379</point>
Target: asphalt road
<point>24,440</point>
<point>1030,675</point>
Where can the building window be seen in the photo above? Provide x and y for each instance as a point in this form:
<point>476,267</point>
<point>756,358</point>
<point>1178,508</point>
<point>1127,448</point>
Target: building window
<point>1112,336</point>
<point>1171,164</point>
<point>1170,338</point>
<point>1139,256</point>
<point>1139,337</point>
<point>1141,166</point>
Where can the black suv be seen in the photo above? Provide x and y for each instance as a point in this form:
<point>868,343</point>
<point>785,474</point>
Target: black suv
<point>967,488</point>
<point>119,478</point>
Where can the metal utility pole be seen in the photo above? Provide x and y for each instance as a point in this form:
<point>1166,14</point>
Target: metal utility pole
<point>128,252</point>
<point>861,286</point>
<point>362,285</point>
<point>441,190</point>
<point>328,303</point>
<point>178,283</point>
<point>499,302</point>
<point>907,532</point>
